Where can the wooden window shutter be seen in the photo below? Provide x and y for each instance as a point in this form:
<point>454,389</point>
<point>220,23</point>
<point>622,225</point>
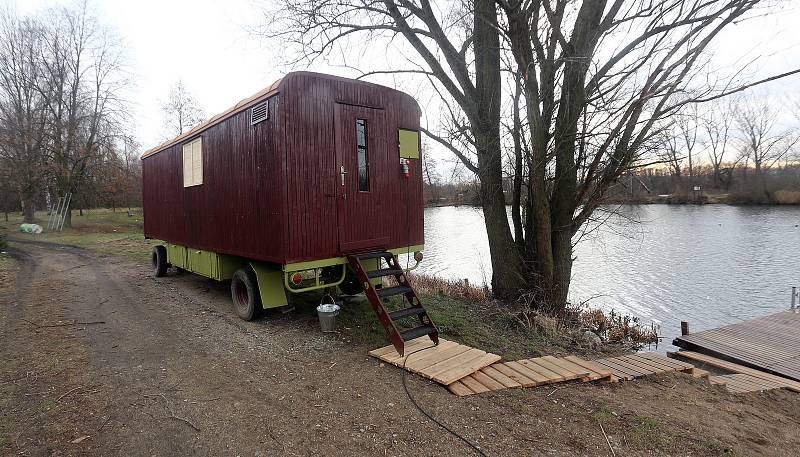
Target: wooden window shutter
<point>197,162</point>
<point>187,165</point>
<point>193,163</point>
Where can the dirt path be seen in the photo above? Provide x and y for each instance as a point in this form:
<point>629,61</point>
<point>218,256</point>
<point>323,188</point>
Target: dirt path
<point>163,367</point>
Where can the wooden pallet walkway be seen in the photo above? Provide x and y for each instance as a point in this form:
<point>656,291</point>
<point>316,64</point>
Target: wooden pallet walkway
<point>530,373</point>
<point>468,371</point>
<point>736,368</point>
<point>446,363</point>
<point>740,382</point>
<point>770,343</point>
<point>633,366</point>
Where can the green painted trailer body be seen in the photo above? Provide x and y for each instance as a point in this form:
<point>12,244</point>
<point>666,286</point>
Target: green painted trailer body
<point>273,280</point>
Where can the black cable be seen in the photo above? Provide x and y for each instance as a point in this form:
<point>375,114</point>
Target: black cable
<point>430,416</point>
<point>405,372</point>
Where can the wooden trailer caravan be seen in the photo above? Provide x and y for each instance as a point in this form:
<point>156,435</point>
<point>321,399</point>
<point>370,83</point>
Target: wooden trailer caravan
<point>314,182</point>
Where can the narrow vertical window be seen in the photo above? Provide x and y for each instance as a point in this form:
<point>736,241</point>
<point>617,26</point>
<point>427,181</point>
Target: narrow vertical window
<point>363,158</point>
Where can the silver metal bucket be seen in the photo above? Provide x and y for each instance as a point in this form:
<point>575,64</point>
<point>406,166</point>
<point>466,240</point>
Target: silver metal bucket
<point>327,313</point>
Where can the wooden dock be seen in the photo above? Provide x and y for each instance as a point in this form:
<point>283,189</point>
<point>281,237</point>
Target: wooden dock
<point>770,343</point>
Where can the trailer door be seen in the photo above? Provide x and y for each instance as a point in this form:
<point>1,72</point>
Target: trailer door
<point>362,172</point>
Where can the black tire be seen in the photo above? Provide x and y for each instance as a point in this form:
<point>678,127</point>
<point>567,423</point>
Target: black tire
<point>159,261</point>
<point>351,284</point>
<point>245,295</point>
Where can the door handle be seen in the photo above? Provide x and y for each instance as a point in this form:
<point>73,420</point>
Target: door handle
<point>342,173</point>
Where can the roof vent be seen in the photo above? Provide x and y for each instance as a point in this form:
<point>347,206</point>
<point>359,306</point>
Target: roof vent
<point>259,113</point>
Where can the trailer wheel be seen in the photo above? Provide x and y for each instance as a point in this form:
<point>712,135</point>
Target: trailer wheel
<point>245,295</point>
<point>351,284</point>
<point>159,261</point>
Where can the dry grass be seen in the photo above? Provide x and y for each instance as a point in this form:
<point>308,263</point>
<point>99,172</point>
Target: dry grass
<point>787,197</point>
<point>568,328</point>
<point>432,285</point>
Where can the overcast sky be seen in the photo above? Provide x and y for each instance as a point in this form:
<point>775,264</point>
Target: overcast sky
<point>207,44</point>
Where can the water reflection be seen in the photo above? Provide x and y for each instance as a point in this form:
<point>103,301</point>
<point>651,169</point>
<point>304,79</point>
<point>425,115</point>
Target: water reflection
<point>710,265</point>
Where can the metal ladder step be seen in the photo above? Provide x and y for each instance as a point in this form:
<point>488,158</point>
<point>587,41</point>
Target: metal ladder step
<point>417,332</point>
<point>396,290</point>
<point>374,255</point>
<point>401,313</point>
<point>384,272</point>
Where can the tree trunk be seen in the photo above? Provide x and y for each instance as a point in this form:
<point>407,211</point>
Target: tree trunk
<point>68,218</point>
<point>28,211</point>
<point>507,267</point>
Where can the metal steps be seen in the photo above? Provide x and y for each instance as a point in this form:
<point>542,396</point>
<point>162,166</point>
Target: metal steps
<point>390,319</point>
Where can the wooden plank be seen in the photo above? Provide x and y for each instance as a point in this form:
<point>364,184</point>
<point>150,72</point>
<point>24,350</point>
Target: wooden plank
<point>528,373</point>
<point>655,365</point>
<point>576,370</point>
<point>434,357</point>
<point>677,364</point>
<point>699,373</point>
<point>544,371</point>
<point>644,366</point>
<point>457,373</point>
<point>474,385</point>
<point>498,376</point>
<point>460,389</point>
<point>566,374</point>
<point>417,352</point>
<point>410,346</point>
<point>620,372</point>
<point>769,343</point>
<point>596,368</point>
<point>633,369</point>
<point>487,380</point>
<point>736,368</point>
<point>717,380</point>
<point>452,363</point>
<point>446,363</point>
<point>518,377</point>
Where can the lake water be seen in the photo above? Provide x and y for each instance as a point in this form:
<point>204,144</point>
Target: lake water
<point>709,265</point>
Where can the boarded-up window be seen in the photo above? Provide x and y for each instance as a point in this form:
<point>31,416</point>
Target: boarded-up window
<point>409,143</point>
<point>193,163</point>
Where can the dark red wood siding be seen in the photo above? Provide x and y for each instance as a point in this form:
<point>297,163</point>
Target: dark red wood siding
<point>269,191</point>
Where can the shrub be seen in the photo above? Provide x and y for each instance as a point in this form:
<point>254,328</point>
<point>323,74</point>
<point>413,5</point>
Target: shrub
<point>787,197</point>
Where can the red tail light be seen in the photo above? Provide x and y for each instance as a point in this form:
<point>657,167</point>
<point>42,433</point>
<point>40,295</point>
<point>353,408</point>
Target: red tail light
<point>297,278</point>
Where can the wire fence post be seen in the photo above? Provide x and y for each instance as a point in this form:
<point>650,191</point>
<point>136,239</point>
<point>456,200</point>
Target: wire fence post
<point>794,297</point>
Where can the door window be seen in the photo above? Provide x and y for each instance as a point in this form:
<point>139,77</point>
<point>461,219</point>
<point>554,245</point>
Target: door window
<point>363,156</point>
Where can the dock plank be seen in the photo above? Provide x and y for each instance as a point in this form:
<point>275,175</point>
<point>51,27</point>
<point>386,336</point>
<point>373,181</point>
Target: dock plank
<point>736,368</point>
<point>770,343</point>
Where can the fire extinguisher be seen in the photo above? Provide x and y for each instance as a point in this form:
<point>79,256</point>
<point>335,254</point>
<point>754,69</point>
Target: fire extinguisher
<point>405,168</point>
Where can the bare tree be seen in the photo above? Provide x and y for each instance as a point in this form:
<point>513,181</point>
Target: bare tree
<point>761,138</point>
<point>181,110</point>
<point>687,122</point>
<point>22,109</point>
<point>669,154</point>
<point>85,80</point>
<point>716,124</point>
<point>596,76</point>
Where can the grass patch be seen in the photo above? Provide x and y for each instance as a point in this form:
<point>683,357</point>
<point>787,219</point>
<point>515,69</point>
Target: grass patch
<point>477,324</point>
<point>604,415</point>
<point>645,424</point>
<point>101,230</point>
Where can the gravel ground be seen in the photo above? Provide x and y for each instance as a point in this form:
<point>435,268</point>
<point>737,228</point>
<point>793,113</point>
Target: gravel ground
<point>99,358</point>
